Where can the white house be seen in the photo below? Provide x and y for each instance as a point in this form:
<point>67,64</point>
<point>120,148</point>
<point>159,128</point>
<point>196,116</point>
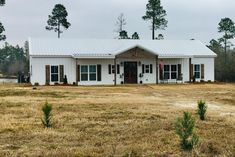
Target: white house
<point>111,62</point>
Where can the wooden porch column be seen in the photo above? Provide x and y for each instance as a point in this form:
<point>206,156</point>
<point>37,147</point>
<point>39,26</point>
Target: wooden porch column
<point>190,72</point>
<point>76,67</point>
<point>157,69</point>
<point>115,71</point>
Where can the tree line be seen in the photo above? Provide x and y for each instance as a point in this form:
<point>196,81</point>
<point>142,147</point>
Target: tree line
<point>15,58</point>
<point>225,60</point>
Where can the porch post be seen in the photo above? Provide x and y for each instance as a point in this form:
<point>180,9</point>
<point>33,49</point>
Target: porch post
<point>190,72</point>
<point>157,69</point>
<point>76,67</point>
<point>115,71</point>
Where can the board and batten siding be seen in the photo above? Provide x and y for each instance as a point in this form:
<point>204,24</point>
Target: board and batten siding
<point>38,64</point>
<point>106,78</point>
<point>209,68</point>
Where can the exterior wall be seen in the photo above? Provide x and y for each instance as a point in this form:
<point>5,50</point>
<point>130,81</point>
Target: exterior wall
<point>37,68</point>
<point>106,78</point>
<point>148,78</point>
<point>175,61</point>
<point>209,67</point>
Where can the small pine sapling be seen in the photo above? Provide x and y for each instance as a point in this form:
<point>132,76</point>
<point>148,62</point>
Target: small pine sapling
<point>46,120</point>
<point>201,109</point>
<point>184,128</point>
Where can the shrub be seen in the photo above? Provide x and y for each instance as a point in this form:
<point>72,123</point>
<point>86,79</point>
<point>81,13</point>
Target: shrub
<point>36,84</point>
<point>184,128</point>
<point>201,109</point>
<point>65,81</point>
<point>46,120</point>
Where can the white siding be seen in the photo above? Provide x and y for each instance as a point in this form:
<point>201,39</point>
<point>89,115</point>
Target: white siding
<point>38,73</point>
<point>106,78</point>
<point>209,67</point>
<point>37,69</point>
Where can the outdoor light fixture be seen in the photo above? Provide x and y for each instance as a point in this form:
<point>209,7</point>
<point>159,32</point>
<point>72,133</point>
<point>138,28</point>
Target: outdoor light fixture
<point>139,63</point>
<point>121,63</point>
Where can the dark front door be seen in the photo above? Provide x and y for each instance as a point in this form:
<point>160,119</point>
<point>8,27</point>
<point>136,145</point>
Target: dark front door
<point>130,72</point>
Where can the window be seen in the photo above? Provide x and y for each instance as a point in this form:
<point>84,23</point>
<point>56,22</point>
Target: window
<point>166,71</point>
<point>84,73</point>
<point>113,69</point>
<point>173,71</point>
<point>170,72</point>
<point>147,68</point>
<point>197,73</point>
<point>54,74</point>
<point>92,72</point>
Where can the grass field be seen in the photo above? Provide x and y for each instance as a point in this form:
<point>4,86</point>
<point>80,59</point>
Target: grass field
<point>115,121</point>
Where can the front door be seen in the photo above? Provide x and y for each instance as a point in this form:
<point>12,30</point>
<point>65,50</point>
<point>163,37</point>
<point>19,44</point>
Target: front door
<point>130,72</point>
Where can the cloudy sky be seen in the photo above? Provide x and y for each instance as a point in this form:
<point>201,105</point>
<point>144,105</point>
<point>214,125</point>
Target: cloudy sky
<point>188,19</point>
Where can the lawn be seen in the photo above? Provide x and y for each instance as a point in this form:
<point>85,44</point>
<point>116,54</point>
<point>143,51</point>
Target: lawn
<point>115,121</point>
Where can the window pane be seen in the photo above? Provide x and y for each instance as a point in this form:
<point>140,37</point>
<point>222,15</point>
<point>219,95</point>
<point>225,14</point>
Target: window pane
<point>166,75</point>
<point>54,69</point>
<point>166,68</point>
<point>92,77</point>
<point>92,68</point>
<point>54,77</point>
<point>147,69</point>
<point>113,69</point>
<point>196,67</point>
<point>173,75</point>
<point>84,69</point>
<point>173,68</point>
<point>84,77</point>
<point>197,75</point>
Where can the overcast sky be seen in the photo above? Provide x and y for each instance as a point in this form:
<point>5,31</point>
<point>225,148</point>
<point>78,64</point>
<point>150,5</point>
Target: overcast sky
<point>187,19</point>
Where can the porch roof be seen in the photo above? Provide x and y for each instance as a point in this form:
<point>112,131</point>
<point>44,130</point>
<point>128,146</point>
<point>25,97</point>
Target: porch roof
<point>103,48</point>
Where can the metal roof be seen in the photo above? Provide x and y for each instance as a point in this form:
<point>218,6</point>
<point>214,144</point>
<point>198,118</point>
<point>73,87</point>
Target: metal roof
<point>104,48</point>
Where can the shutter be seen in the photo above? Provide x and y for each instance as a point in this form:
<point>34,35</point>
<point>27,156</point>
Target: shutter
<point>47,69</point>
<point>61,73</point>
<point>78,73</point>
<point>98,72</point>
<point>202,71</point>
<point>110,69</point>
<point>118,69</point>
<point>191,71</point>
<point>179,72</point>
<point>151,68</point>
<point>143,68</point>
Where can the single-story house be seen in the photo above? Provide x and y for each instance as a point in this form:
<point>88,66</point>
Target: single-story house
<point>111,62</point>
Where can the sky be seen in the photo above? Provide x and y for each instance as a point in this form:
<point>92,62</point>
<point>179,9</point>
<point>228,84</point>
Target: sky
<point>187,19</point>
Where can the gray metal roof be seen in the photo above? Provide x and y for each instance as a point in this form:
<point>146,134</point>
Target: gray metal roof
<point>103,48</point>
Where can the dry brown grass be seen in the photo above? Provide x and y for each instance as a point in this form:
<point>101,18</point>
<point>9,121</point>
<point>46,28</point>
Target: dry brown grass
<point>114,121</point>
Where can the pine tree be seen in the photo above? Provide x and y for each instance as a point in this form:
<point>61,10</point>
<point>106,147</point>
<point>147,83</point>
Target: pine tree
<point>156,14</point>
<point>2,29</point>
<point>135,36</point>
<point>58,19</point>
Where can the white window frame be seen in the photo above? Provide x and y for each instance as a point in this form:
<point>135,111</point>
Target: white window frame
<point>54,73</point>
<point>170,71</point>
<point>88,73</point>
<point>82,73</point>
<point>147,67</point>
<point>176,72</point>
